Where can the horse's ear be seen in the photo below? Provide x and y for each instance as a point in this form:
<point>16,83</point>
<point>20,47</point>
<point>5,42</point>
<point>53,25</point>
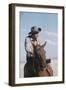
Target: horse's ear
<point>44,45</point>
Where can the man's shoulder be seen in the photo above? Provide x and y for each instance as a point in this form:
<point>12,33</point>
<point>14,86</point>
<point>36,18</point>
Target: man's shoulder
<point>27,38</point>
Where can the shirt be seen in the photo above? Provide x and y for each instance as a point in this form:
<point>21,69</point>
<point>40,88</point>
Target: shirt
<point>29,45</point>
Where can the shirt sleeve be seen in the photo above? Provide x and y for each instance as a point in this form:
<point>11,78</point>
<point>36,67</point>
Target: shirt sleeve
<point>40,41</point>
<point>28,45</point>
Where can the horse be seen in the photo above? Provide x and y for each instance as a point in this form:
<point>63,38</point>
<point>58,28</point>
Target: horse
<point>40,54</point>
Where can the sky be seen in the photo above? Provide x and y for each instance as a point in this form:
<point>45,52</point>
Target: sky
<point>48,23</point>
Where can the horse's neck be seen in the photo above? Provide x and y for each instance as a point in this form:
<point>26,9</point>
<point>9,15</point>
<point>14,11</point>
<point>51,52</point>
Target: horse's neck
<point>39,47</point>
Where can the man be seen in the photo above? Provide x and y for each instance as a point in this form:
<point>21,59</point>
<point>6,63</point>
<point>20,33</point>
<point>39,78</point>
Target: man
<point>33,64</point>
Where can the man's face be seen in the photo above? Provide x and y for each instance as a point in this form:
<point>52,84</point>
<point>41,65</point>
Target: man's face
<point>36,35</point>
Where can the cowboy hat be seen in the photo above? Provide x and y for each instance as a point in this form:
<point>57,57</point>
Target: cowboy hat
<point>35,30</point>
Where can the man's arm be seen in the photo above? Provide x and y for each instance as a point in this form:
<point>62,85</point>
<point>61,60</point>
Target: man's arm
<point>28,46</point>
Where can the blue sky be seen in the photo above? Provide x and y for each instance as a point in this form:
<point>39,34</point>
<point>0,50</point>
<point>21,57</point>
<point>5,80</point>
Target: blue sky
<point>48,22</point>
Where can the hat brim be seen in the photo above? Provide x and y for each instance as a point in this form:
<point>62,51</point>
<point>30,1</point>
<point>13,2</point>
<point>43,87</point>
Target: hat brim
<point>35,32</point>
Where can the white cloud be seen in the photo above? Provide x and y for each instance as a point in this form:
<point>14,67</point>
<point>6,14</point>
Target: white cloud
<point>50,37</point>
<point>51,33</point>
<point>51,42</point>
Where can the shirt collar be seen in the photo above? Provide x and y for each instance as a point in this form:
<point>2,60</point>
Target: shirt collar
<point>33,40</point>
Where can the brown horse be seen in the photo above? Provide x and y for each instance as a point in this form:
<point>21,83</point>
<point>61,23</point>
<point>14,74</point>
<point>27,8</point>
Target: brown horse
<point>41,54</point>
<point>47,71</point>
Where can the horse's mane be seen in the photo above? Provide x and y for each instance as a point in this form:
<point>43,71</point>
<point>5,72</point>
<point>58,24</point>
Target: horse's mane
<point>41,53</point>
